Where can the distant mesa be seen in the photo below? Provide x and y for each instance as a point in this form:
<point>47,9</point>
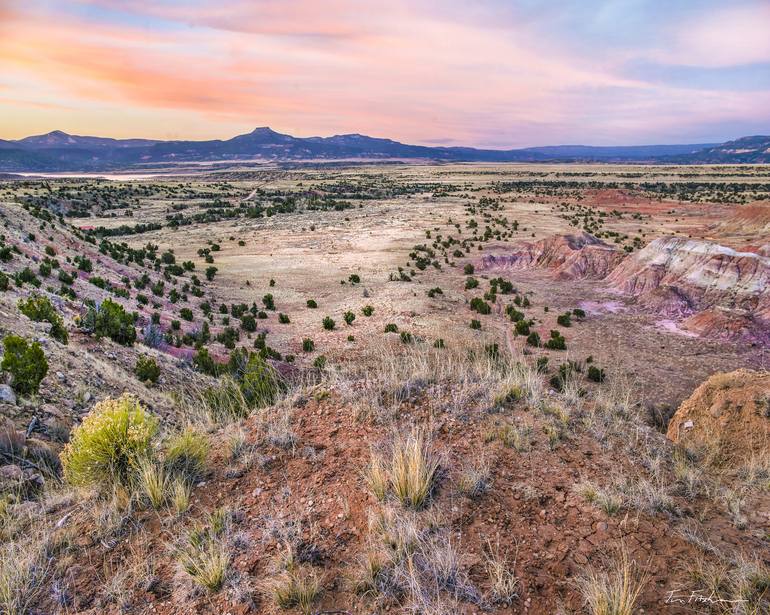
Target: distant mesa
<point>58,151</point>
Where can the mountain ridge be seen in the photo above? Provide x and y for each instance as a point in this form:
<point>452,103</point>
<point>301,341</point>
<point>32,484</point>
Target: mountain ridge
<point>60,151</point>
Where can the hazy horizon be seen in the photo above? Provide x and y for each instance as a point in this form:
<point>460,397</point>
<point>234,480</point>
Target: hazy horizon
<point>492,74</point>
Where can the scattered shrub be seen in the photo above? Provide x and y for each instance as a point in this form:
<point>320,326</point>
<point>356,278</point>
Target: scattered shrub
<point>109,319</point>
<point>25,362</point>
<point>308,345</point>
<point>311,303</point>
<point>40,309</point>
<point>349,317</point>
<point>533,339</point>
<point>556,342</point>
<point>147,369</point>
<point>367,310</point>
<point>595,374</point>
<point>328,323</point>
<point>391,327</point>
<point>283,319</point>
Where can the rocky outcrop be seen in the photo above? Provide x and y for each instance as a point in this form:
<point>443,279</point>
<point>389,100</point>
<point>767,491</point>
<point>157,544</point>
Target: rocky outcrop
<point>568,256</point>
<point>714,290</point>
<point>729,414</point>
<point>706,288</point>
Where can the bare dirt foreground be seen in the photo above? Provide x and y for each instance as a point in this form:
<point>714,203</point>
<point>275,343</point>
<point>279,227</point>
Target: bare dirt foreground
<point>388,388</point>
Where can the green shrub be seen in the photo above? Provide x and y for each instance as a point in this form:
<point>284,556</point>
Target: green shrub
<point>311,303</point>
<point>248,322</point>
<point>110,320</point>
<point>110,444</point>
<point>147,369</point>
<point>205,363</point>
<point>268,302</point>
<point>522,327</point>
<point>284,319</point>
<point>328,323</point>
<point>435,291</point>
<point>578,313</point>
<point>595,374</point>
<point>533,339</point>
<point>4,282</point>
<point>349,317</point>
<point>471,283</point>
<point>186,454</point>
<point>468,269</point>
<point>40,309</point>
<point>367,310</point>
<point>475,324</point>
<point>391,327</point>
<point>557,341</point>
<point>25,363</point>
<point>354,278</point>
<point>480,306</point>
<point>406,337</point>
<point>308,345</point>
<point>186,313</point>
<point>439,343</point>
<point>259,382</point>
<point>565,320</point>
<point>320,362</point>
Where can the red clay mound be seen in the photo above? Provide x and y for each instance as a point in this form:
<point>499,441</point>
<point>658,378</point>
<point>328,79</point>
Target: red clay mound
<point>568,256</point>
<point>730,412</point>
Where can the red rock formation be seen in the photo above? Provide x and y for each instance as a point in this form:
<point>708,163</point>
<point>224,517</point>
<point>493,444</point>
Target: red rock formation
<point>569,256</point>
<point>707,288</point>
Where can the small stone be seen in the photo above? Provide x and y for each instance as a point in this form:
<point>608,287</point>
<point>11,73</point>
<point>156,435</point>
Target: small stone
<point>7,395</point>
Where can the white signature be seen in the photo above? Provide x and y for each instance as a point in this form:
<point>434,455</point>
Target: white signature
<point>697,597</point>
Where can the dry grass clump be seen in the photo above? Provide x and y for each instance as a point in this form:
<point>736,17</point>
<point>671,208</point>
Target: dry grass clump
<point>513,436</point>
<point>410,473</point>
<point>616,591</point>
<point>153,482</point>
<point>296,588</point>
<point>412,561</point>
<point>739,586</point>
<point>608,499</point>
<point>205,554</point>
<point>108,446</point>
<point>179,495</point>
<point>22,573</point>
<point>504,585</point>
<point>474,478</point>
<point>218,404</point>
<point>186,453</point>
<point>277,427</point>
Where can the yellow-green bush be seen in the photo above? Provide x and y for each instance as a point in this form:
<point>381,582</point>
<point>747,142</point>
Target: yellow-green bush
<point>186,453</point>
<point>108,446</point>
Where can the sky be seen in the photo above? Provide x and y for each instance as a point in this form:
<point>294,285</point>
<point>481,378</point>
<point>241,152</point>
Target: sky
<point>485,73</point>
